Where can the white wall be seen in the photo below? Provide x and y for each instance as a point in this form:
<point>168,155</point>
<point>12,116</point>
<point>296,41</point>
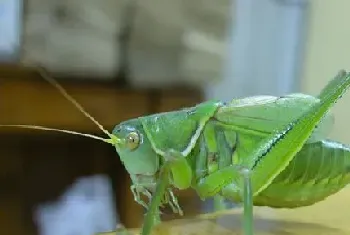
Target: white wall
<point>328,50</point>
<point>264,58</point>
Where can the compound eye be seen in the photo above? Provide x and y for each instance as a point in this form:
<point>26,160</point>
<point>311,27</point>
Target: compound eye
<point>132,140</point>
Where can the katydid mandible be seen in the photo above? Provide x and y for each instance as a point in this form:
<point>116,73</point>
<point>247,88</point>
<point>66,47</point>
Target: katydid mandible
<point>261,150</point>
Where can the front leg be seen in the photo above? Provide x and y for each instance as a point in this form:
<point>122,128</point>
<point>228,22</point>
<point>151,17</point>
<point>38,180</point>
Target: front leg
<point>143,189</point>
<point>137,190</point>
<point>152,217</point>
<point>180,176</point>
<point>180,170</point>
<point>175,171</point>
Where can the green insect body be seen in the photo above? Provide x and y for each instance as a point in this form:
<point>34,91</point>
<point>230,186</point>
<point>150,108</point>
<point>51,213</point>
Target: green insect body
<point>262,151</point>
<point>236,127</point>
<point>213,136</point>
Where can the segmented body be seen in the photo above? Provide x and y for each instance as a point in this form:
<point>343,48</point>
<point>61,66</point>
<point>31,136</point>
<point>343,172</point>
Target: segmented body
<point>319,170</point>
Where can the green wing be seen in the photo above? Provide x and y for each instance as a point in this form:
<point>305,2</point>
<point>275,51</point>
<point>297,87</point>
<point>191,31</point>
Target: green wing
<point>262,115</point>
<point>255,118</point>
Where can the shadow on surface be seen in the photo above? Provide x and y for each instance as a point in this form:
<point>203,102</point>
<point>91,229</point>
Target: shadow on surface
<point>231,225</point>
<point>276,226</point>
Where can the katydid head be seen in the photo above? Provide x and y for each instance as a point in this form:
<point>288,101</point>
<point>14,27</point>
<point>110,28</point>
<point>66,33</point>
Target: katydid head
<point>134,149</point>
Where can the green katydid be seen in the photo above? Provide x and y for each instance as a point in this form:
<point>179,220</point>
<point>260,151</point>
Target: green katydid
<point>261,150</point>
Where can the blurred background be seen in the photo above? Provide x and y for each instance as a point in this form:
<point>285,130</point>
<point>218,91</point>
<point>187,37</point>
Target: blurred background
<point>128,58</point>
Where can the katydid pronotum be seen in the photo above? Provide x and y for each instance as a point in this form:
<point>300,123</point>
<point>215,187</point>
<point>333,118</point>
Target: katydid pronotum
<point>261,151</point>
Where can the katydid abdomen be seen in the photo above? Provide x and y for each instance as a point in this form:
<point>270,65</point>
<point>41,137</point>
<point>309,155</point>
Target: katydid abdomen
<point>319,170</point>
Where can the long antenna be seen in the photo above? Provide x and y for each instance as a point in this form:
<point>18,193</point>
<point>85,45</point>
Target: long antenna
<point>53,82</point>
<point>56,130</point>
<point>113,139</point>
